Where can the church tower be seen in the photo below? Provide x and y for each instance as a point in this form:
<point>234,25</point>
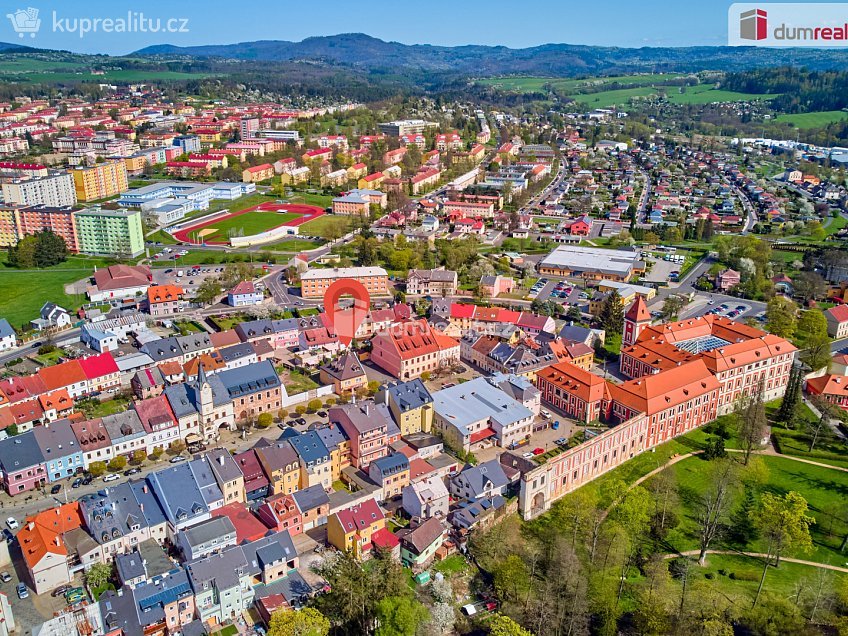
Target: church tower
<point>635,321</point>
<point>204,392</point>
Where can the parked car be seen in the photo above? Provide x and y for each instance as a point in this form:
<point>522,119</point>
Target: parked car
<point>5,576</point>
<point>87,480</point>
<point>132,471</point>
<point>321,414</point>
<point>12,523</point>
<point>561,441</point>
<point>177,459</point>
<point>111,477</point>
<point>538,451</point>
<point>22,591</point>
<point>55,489</point>
<point>60,591</point>
<point>7,534</point>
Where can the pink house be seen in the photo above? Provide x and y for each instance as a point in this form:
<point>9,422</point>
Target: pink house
<point>727,279</point>
<point>494,286</point>
<point>22,465</point>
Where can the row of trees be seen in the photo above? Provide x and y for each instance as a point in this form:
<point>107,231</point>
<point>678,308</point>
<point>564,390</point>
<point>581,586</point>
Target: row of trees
<point>42,249</point>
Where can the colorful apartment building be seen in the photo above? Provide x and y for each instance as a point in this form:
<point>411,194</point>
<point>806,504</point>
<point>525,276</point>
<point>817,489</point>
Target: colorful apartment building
<point>101,181</point>
<point>116,233</point>
<point>413,347</point>
<point>315,282</point>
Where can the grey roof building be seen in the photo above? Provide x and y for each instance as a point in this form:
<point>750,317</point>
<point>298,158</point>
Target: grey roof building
<point>179,495</point>
<point>407,396</point>
<point>112,513</point>
<point>206,537</point>
<point>249,379</point>
<point>20,452</point>
<point>310,448</point>
<point>483,480</point>
<point>311,498</point>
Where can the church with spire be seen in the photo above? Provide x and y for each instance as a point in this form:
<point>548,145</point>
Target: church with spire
<point>636,319</point>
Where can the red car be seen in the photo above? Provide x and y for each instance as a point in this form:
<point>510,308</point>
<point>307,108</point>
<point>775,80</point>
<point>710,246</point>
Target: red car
<point>538,451</point>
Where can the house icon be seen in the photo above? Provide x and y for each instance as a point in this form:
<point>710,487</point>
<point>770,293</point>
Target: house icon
<point>753,25</point>
<point>25,21</point>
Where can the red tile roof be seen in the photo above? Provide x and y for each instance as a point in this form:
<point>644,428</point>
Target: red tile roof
<point>98,366</point>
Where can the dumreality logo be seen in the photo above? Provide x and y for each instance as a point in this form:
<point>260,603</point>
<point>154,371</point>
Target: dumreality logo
<point>753,25</point>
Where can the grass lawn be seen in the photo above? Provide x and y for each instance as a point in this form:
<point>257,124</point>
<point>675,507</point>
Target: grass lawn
<point>535,84</point>
<point>605,99</point>
<point>161,236</point>
<point>813,120</point>
<point>293,245</point>
<point>835,223</point>
<point>706,94</point>
<point>94,408</point>
<point>317,227</point>
<point>23,292</point>
<point>828,449</point>
<point>228,322</point>
<point>297,382</point>
<point>824,489</point>
<point>187,327</point>
<point>51,358</point>
<point>97,591</point>
<point>311,198</point>
<point>229,630</point>
<point>247,224</point>
<point>451,565</point>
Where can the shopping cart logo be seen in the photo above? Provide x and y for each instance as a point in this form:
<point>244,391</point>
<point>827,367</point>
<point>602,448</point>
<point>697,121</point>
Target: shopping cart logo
<point>25,21</point>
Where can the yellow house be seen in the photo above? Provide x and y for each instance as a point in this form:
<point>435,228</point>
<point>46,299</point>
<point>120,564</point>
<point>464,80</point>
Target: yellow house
<point>355,529</point>
<point>135,164</point>
<point>345,373</point>
<point>371,182</point>
<point>282,465</point>
<point>411,406</point>
<point>339,446</point>
<point>208,136</point>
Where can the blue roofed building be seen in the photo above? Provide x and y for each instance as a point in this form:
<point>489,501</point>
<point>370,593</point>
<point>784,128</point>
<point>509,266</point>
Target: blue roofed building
<point>391,473</point>
<point>315,459</point>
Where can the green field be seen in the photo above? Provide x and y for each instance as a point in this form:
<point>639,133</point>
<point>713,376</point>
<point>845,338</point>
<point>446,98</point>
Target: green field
<point>31,70</point>
<point>317,226</point>
<point>248,224</point>
<point>293,245</point>
<point>311,198</point>
<point>813,120</point>
<point>825,489</point>
<point>23,292</point>
<point>534,84</point>
<point>638,86</point>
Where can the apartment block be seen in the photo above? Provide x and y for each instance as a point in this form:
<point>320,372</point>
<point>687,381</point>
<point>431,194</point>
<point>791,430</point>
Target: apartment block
<point>116,233</point>
<point>100,181</point>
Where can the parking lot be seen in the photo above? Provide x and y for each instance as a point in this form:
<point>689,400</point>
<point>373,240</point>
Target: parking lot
<point>544,439</point>
<point>188,277</point>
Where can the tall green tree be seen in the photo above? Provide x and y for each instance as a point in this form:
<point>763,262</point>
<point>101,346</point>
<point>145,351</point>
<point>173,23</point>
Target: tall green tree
<point>502,625</point>
<point>304,622</point>
<point>781,317</point>
<point>785,525</point>
<point>399,616</point>
<point>612,313</point>
<point>751,421</point>
<point>792,397</point>
<point>811,336</point>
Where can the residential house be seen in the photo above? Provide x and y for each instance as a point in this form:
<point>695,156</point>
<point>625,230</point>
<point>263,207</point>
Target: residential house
<point>413,347</point>
<point>63,456</point>
<point>356,528</point>
<point>280,512</point>
<point>315,460</point>
<point>281,463</point>
<point>244,294</point>
<point>484,480</point>
<point>206,537</point>
<point>314,506</point>
<point>345,373</point>
<point>391,473</point>
<point>367,425</point>
<point>418,544</point>
<point>431,282</point>
<point>165,300</point>
<point>837,321</point>
<point>410,404</point>
<point>426,498</point>
<point>22,463</point>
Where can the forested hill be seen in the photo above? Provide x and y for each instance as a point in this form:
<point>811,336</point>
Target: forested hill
<point>799,90</point>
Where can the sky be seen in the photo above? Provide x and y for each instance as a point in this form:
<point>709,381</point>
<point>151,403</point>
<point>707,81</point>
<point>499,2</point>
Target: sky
<point>439,22</point>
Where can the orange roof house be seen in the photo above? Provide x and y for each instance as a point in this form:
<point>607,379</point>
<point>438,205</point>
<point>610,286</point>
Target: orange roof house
<point>43,546</point>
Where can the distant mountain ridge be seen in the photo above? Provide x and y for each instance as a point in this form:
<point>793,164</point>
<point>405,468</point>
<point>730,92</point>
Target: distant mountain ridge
<point>362,51</point>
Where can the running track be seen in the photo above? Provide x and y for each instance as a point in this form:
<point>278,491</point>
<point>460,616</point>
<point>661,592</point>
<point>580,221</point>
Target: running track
<point>307,212</point>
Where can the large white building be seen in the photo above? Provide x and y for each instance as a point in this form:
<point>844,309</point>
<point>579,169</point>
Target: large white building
<point>54,190</point>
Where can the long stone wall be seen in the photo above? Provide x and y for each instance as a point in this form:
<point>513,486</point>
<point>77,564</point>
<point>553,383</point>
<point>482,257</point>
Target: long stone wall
<point>562,474</point>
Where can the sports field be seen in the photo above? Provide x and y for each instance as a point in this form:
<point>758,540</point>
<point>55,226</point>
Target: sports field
<point>813,120</point>
<point>255,220</point>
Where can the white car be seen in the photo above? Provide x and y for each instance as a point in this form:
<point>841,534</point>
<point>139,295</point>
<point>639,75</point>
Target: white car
<point>12,523</point>
<point>111,477</point>
<point>545,413</point>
